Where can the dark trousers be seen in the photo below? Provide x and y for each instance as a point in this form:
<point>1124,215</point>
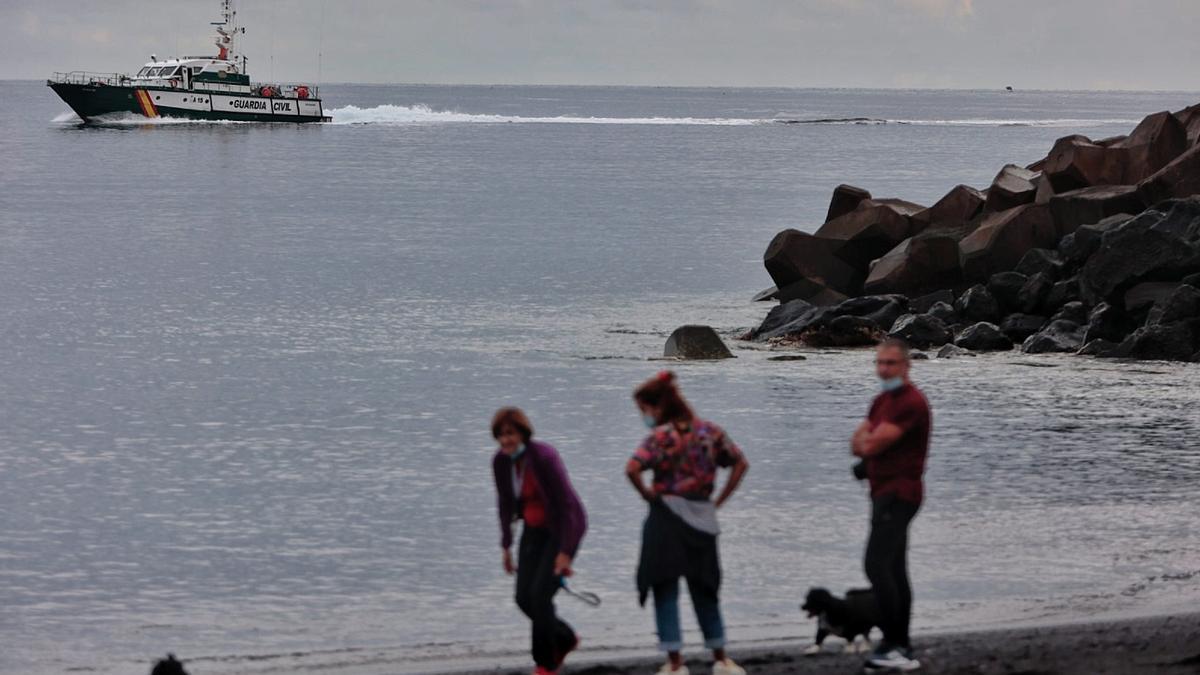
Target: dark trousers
<point>886,564</point>
<point>536,586</point>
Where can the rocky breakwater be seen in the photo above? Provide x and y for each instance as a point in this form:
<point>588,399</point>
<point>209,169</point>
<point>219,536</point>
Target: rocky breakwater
<point>1093,249</point>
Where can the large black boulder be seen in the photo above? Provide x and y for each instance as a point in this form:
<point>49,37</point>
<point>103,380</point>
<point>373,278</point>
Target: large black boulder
<point>1161,342</point>
<point>1155,245</point>
<point>944,313</point>
<point>1077,247</point>
<point>1182,304</point>
<point>1075,312</point>
<point>1061,293</point>
<point>1035,290</point>
<point>1040,261</point>
<point>1107,322</point>
<point>977,304</point>
<point>1020,326</point>
<point>781,315</point>
<point>882,309</point>
<point>1058,336</point>
<point>921,331</point>
<point>983,337</point>
<point>1005,287</point>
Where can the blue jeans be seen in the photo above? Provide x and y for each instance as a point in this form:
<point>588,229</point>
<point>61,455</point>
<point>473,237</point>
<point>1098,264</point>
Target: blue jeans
<point>666,616</point>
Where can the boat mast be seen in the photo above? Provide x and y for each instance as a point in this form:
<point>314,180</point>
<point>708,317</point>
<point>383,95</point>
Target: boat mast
<point>227,30</point>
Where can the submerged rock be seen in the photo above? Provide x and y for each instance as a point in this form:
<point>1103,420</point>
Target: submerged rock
<point>1058,336</point>
<point>1018,327</point>
<point>696,342</point>
<point>951,350</point>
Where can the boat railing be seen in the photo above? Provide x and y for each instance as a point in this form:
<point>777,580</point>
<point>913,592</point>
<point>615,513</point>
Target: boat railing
<point>84,77</point>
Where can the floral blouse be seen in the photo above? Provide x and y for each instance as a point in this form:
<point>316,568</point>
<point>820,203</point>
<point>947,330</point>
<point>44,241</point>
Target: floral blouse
<point>686,463</point>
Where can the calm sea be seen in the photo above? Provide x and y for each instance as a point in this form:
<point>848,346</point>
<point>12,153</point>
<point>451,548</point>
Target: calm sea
<point>246,373</point>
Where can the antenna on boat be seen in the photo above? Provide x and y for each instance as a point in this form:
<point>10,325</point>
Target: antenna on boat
<point>320,41</point>
<point>227,30</point>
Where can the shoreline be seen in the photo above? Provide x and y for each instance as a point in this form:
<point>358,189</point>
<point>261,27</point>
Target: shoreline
<point>1168,644</point>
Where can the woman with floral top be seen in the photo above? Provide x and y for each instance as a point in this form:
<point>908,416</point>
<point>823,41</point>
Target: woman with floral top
<point>679,538</point>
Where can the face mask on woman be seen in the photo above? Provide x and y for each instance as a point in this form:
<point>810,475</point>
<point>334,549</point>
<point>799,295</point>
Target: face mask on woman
<point>649,421</point>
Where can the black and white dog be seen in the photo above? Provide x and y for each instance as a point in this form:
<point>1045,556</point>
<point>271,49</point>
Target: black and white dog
<point>848,618</point>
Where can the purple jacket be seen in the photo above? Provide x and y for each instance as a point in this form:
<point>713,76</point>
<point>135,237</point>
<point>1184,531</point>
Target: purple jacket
<point>565,517</point>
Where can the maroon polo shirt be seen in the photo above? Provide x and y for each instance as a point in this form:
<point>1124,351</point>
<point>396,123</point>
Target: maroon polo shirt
<point>898,469</point>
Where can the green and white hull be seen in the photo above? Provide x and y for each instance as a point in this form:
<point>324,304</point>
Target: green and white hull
<point>96,100</point>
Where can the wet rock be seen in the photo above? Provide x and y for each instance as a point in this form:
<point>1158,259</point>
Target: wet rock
<point>1129,253</point>
<point>944,313</point>
<point>1161,342</point>
<point>781,315</point>
<point>1034,292</point>
<point>845,199</point>
<point>1040,261</point>
<point>1148,293</point>
<point>921,331</point>
<point>1098,347</point>
<point>917,263</point>
<point>1057,336</point>
<point>883,310</point>
<point>1006,287</point>
<point>1153,144</point>
<point>1076,162</point>
<point>1061,293</point>
<point>983,337</point>
<point>843,331</point>
<point>959,205</point>
<point>1182,304</point>
<point>1074,312</point>
<point>1106,322</point>
<point>919,356</point>
<point>696,342</point>
<point>1076,247</point>
<point>1012,187</point>
<point>1090,205</point>
<point>788,357</point>
<point>1018,327</point>
<point>1000,241</point>
<point>921,305</point>
<point>1180,178</point>
<point>977,304</point>
<point>868,232</point>
<point>951,351</point>
<point>795,257</point>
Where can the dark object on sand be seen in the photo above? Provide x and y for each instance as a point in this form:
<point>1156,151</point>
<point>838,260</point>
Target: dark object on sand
<point>847,618</point>
<point>168,666</point>
<point>696,342</point>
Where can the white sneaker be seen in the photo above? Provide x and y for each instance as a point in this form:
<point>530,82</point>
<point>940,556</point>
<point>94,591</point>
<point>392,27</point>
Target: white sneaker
<point>891,660</point>
<point>666,670</point>
<point>727,667</point>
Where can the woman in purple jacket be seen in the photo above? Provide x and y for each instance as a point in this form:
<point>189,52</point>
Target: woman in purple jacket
<point>532,485</point>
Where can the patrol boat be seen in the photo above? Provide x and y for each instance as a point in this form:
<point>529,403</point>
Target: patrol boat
<point>191,87</point>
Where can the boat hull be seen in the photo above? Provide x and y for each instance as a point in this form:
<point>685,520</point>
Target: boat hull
<point>92,101</point>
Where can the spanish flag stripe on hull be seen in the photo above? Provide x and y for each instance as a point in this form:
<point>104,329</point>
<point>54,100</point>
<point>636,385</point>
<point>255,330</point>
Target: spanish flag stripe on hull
<point>148,108</point>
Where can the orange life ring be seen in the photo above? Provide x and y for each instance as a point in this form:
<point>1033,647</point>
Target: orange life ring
<point>301,92</point>
<point>174,83</point>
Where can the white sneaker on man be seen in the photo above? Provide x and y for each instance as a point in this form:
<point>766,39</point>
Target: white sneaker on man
<point>891,659</point>
<point>667,670</point>
<point>727,667</point>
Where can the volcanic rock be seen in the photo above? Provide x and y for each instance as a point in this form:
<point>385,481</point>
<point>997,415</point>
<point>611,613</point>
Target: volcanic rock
<point>696,342</point>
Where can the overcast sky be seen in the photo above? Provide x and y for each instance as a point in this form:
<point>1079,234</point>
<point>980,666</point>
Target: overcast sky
<point>1045,44</point>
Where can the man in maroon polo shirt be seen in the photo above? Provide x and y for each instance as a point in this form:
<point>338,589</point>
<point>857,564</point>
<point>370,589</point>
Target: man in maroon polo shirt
<point>893,442</point>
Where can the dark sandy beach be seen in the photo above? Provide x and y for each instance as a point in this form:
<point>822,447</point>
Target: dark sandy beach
<point>1168,644</point>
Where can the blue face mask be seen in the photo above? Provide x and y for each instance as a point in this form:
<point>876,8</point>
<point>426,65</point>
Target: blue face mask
<point>649,421</point>
<point>891,384</point>
<point>520,451</point>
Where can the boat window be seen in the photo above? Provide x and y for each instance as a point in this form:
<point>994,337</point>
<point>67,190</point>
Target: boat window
<point>196,70</point>
<point>170,71</point>
<point>143,71</point>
